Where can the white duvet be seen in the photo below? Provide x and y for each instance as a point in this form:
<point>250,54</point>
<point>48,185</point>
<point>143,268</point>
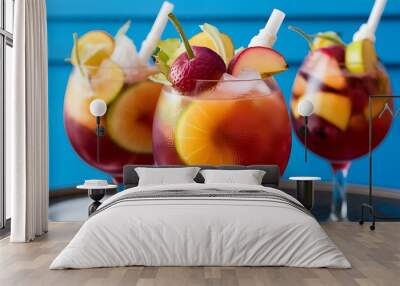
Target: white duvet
<point>200,231</point>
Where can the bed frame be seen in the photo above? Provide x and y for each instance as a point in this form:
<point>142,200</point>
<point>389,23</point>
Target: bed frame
<point>271,177</point>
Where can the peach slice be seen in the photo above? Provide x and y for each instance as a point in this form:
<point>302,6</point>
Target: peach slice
<point>293,106</point>
<point>130,117</point>
<point>108,81</point>
<point>333,107</point>
<point>264,60</point>
<point>93,48</point>
<point>299,85</point>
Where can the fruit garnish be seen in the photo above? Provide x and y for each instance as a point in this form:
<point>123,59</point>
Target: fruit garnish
<point>328,37</point>
<point>299,85</point>
<point>130,117</point>
<point>264,60</point>
<point>108,81</point>
<point>333,107</point>
<point>361,56</point>
<point>324,66</point>
<point>92,48</point>
<point>125,54</point>
<point>197,63</point>
<point>213,39</point>
<point>165,52</point>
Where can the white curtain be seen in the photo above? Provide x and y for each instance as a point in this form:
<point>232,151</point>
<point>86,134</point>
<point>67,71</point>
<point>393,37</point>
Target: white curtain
<point>26,124</point>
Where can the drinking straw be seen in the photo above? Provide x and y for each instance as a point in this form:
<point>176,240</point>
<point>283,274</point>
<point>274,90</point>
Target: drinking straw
<point>153,37</point>
<point>267,36</point>
<point>367,30</point>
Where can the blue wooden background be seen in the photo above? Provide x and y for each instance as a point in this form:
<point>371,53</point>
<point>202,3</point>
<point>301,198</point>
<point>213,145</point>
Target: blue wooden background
<point>241,20</point>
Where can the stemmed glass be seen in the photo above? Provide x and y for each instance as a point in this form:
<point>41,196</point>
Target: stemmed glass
<point>338,129</point>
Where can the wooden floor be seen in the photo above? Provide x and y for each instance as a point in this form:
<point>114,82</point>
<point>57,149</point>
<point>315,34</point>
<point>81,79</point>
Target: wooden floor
<point>375,257</point>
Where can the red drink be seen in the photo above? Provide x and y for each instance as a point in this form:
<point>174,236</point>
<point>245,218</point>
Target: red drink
<point>227,125</point>
<point>339,127</point>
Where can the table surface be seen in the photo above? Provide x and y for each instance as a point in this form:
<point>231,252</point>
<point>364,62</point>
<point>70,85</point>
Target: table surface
<point>305,178</point>
<point>85,187</point>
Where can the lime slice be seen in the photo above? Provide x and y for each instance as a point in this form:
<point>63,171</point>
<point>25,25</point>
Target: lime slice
<point>361,57</point>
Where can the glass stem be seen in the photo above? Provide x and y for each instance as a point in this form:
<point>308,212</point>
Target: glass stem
<point>339,192</point>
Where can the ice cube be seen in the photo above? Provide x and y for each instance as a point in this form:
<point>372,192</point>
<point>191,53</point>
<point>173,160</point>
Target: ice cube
<point>262,87</point>
<point>248,74</point>
<point>236,87</point>
<point>246,81</point>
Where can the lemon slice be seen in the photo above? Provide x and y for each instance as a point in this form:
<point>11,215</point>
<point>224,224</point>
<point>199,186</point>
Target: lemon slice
<point>93,47</point>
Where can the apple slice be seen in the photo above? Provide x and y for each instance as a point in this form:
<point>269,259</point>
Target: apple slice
<point>264,60</point>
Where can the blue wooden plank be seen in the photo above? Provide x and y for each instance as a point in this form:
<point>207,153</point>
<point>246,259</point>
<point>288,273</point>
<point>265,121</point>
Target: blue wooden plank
<point>105,9</point>
<point>291,45</point>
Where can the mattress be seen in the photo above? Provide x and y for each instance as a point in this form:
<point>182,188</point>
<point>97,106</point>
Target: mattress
<point>201,225</point>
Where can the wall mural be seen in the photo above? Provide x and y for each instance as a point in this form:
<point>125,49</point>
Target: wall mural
<point>216,117</point>
<point>235,114</point>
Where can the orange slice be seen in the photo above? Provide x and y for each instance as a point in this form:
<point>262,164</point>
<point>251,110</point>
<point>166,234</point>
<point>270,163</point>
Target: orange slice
<point>197,131</point>
<point>130,117</point>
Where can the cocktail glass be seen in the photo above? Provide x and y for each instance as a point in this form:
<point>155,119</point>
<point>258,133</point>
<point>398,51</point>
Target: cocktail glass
<point>223,122</point>
<point>131,101</point>
<point>338,130</point>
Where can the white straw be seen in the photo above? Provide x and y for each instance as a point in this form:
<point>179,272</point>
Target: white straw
<point>266,37</point>
<point>367,30</point>
<point>376,13</point>
<point>275,21</point>
<point>154,36</point>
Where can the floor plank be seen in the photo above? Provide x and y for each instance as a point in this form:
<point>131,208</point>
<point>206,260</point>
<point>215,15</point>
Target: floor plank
<point>375,257</point>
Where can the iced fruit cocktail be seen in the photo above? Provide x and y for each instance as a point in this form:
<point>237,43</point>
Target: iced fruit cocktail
<point>109,68</point>
<point>338,79</point>
<point>218,106</point>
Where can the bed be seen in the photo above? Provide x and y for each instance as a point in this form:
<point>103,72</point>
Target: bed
<point>198,224</point>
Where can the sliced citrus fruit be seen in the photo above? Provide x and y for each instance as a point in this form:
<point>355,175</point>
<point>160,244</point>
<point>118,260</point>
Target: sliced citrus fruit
<point>326,39</point>
<point>130,117</point>
<point>108,81</point>
<point>93,48</point>
<point>203,39</point>
<point>197,132</point>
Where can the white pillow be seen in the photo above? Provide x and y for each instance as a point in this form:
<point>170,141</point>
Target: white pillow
<point>162,176</point>
<point>248,177</point>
